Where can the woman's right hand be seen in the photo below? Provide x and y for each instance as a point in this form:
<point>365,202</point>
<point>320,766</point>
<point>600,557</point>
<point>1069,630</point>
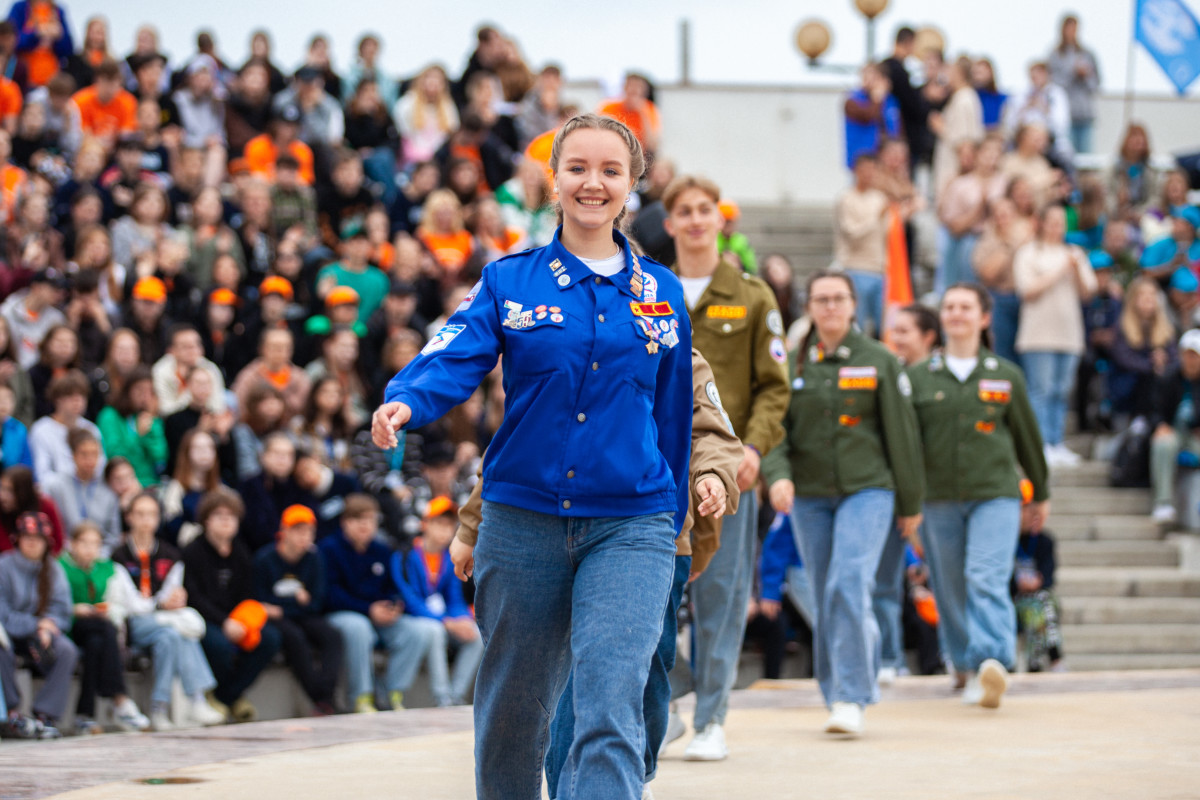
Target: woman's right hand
<point>387,419</point>
<point>462,555</point>
<point>782,495</point>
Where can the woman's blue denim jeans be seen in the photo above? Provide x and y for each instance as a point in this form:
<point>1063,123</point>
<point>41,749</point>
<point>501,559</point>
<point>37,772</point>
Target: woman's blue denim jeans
<point>970,548</point>
<point>887,601</point>
<point>841,540</point>
<point>558,596</point>
<point>1050,377</point>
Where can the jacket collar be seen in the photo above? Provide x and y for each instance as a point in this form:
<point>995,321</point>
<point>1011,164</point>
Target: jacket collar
<point>563,264</point>
<point>845,349</point>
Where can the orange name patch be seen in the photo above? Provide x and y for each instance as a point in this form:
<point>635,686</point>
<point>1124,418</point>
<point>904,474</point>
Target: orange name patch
<point>985,427</point>
<point>857,383</point>
<point>662,309</point>
<point>995,391</point>
<point>727,312</point>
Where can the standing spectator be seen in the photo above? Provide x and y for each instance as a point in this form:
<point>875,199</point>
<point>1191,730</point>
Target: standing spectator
<point>88,573</point>
<point>426,115</point>
<point>365,606</point>
<point>84,496</point>
<point>48,436</point>
<point>130,427</point>
<point>961,120</point>
<point>1134,183</point>
<point>1004,233</point>
<point>914,110</point>
<point>219,577</point>
<point>963,208</point>
<point>1053,280</point>
<point>35,612</point>
<point>732,244</point>
<point>106,109</point>
<point>43,38</point>
<point>289,580</point>
<point>636,110</point>
<point>1074,69</point>
<point>860,246</point>
<point>871,115</point>
<point>1043,103</point>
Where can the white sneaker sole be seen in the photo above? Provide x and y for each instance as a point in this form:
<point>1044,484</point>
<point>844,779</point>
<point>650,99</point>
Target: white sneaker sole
<point>994,681</point>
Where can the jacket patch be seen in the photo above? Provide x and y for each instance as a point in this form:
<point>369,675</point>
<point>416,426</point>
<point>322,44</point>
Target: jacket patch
<point>775,322</point>
<point>995,391</point>
<point>778,350</point>
<point>470,298</point>
<point>985,427</point>
<point>858,378</point>
<point>442,339</point>
<point>726,312</point>
<point>662,309</point>
<point>847,421</point>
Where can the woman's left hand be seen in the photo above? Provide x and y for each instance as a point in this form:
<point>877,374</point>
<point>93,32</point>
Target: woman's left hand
<point>712,497</point>
<point>462,555</point>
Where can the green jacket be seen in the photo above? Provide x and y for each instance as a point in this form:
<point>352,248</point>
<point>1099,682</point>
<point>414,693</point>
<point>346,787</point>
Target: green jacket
<point>147,454</point>
<point>976,432</point>
<point>87,587</point>
<point>850,426</point>
<point>737,327</point>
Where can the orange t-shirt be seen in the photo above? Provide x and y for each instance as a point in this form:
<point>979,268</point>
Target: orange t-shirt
<point>450,249</point>
<point>261,153</point>
<point>105,120</point>
<point>384,256</point>
<point>633,120</point>
<point>10,98</point>
<point>12,179</point>
<point>41,63</point>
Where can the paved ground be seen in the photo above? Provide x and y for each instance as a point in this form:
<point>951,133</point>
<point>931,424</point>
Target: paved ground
<point>1093,735</point>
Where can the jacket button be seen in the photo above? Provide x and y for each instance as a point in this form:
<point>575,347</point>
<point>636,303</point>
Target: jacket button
<point>601,318</point>
<point>597,280</point>
<point>727,327</point>
<point>566,504</point>
<point>582,417</point>
<point>570,473</point>
<point>595,366</point>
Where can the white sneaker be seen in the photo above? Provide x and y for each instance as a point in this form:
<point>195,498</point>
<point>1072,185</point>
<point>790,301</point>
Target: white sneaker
<point>201,713</point>
<point>993,679</point>
<point>886,676</point>
<point>1051,454</point>
<point>707,745</point>
<point>647,794</point>
<point>675,729</point>
<point>1067,457</point>
<point>161,721</point>
<point>972,692</point>
<point>845,718</point>
<point>127,717</point>
<point>1163,514</point>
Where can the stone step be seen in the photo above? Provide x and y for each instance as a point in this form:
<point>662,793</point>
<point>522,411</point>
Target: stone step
<point>1117,554</point>
<point>1097,662</point>
<point>1087,473</point>
<point>1072,582</point>
<point>1082,639</point>
<point>1117,527</point>
<point>1131,610</point>
<point>1097,500</point>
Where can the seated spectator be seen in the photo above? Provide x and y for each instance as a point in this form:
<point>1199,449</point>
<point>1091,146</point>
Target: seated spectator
<point>48,436</point>
<point>442,231</point>
<point>123,354</point>
<point>58,352</point>
<point>15,376</point>
<point>636,109</point>
<point>199,388</point>
<point>254,229</point>
<point>86,165</point>
<point>340,360</point>
<point>274,368</point>
<point>293,203</point>
<point>148,593</point>
<point>1088,219</point>
<point>264,412</point>
<point>130,427</point>
<point>148,71</point>
<point>493,238</point>
<point>106,110</point>
<point>1027,160</point>
<point>366,67</point>
<point>263,151</point>
<point>539,109</point>
<point>1144,355</point>
<point>44,40</point>
<point>1100,315</point>
<point>219,577</point>
<point>14,437</point>
<point>525,203</point>
<point>31,224</point>
<point>126,174</point>
<point>92,324</point>
<point>398,313</point>
<point>1157,222</point>
<point>185,353</point>
<point>83,496</point>
<point>18,496</point>
<point>730,241</point>
<point>120,477</point>
<point>782,577</point>
<point>342,206</point>
<point>32,312</point>
<point>1176,426</point>
<point>201,104</point>
<point>408,206</point>
<point>425,115</point>
<point>1043,103</point>
<point>248,108</point>
<point>326,490</point>
<point>1180,249</point>
<point>88,573</point>
<point>354,272</point>
<point>370,131</point>
<point>220,332</point>
<point>135,236</point>
<point>1033,592</point>
<point>322,125</point>
<point>365,606</point>
<point>35,612</point>
<point>328,423</point>
<point>432,594</point>
<point>196,473</point>
<point>289,580</point>
<point>93,253</point>
<point>208,237</point>
<point>272,489</point>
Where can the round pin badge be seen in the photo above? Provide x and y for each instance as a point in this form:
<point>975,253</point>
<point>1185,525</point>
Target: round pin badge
<point>775,322</point>
<point>563,280</point>
<point>556,317</point>
<point>541,314</point>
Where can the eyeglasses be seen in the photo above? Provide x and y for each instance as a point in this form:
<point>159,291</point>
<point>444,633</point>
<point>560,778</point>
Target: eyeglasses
<point>830,300</point>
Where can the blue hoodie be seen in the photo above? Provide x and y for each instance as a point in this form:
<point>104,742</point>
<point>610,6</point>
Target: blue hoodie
<point>356,580</point>
<point>441,598</point>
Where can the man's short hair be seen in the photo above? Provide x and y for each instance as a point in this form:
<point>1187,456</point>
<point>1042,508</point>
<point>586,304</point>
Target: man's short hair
<point>108,69</point>
<point>77,437</point>
<point>905,35</point>
<point>218,498</point>
<point>359,505</point>
<point>685,182</point>
<point>178,328</point>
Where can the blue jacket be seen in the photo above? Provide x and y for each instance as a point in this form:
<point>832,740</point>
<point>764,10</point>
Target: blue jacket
<point>27,39</point>
<point>14,444</point>
<point>1163,251</point>
<point>778,553</point>
<point>356,580</point>
<point>864,137</point>
<point>442,599</point>
<point>597,378</point>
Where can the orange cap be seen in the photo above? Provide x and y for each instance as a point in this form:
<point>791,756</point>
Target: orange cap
<point>239,166</point>
<point>276,284</point>
<point>440,505</point>
<point>1026,491</point>
<point>729,209</point>
<point>222,297</point>
<point>341,295</point>
<point>297,515</point>
<point>253,617</point>
<point>151,289</point>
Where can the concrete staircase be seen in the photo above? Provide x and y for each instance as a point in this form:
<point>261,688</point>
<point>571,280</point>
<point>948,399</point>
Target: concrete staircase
<point>1127,600</point>
<point>803,234</point>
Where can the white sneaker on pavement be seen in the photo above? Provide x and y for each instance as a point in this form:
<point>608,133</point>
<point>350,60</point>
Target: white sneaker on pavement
<point>675,729</point>
<point>1163,514</point>
<point>128,717</point>
<point>846,718</point>
<point>1067,457</point>
<point>647,794</point>
<point>972,692</point>
<point>886,676</point>
<point>707,745</point>
<point>161,721</point>
<point>201,713</point>
<point>993,679</point>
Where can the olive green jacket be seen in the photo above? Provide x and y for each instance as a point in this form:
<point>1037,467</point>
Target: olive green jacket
<point>850,426</point>
<point>976,433</point>
<point>736,324</point>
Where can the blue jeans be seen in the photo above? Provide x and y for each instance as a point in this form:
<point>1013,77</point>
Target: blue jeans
<point>887,600</point>
<point>720,596</point>
<point>556,596</point>
<point>447,689</point>
<point>174,656</point>
<point>1006,315</point>
<point>840,540</point>
<point>869,288</point>
<point>955,264</point>
<point>1050,377</point>
<point>1081,136</point>
<point>234,668</point>
<point>970,547</point>
<point>656,700</point>
<point>406,641</point>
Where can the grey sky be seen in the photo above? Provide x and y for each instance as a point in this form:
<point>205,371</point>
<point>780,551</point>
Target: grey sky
<point>745,41</point>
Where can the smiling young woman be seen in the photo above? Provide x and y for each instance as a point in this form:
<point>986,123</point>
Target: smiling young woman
<point>575,552</point>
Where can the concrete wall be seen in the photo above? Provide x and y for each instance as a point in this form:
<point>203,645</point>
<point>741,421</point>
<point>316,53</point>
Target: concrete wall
<point>784,145</point>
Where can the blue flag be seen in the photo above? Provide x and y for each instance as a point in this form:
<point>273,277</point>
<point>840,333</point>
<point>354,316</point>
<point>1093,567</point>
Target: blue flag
<point>1170,33</point>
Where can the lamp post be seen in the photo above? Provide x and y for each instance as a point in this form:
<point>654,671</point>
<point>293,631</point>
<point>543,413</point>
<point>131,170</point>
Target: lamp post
<point>871,9</point>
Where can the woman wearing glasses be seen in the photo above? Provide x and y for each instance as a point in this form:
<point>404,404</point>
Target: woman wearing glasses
<point>851,456</point>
